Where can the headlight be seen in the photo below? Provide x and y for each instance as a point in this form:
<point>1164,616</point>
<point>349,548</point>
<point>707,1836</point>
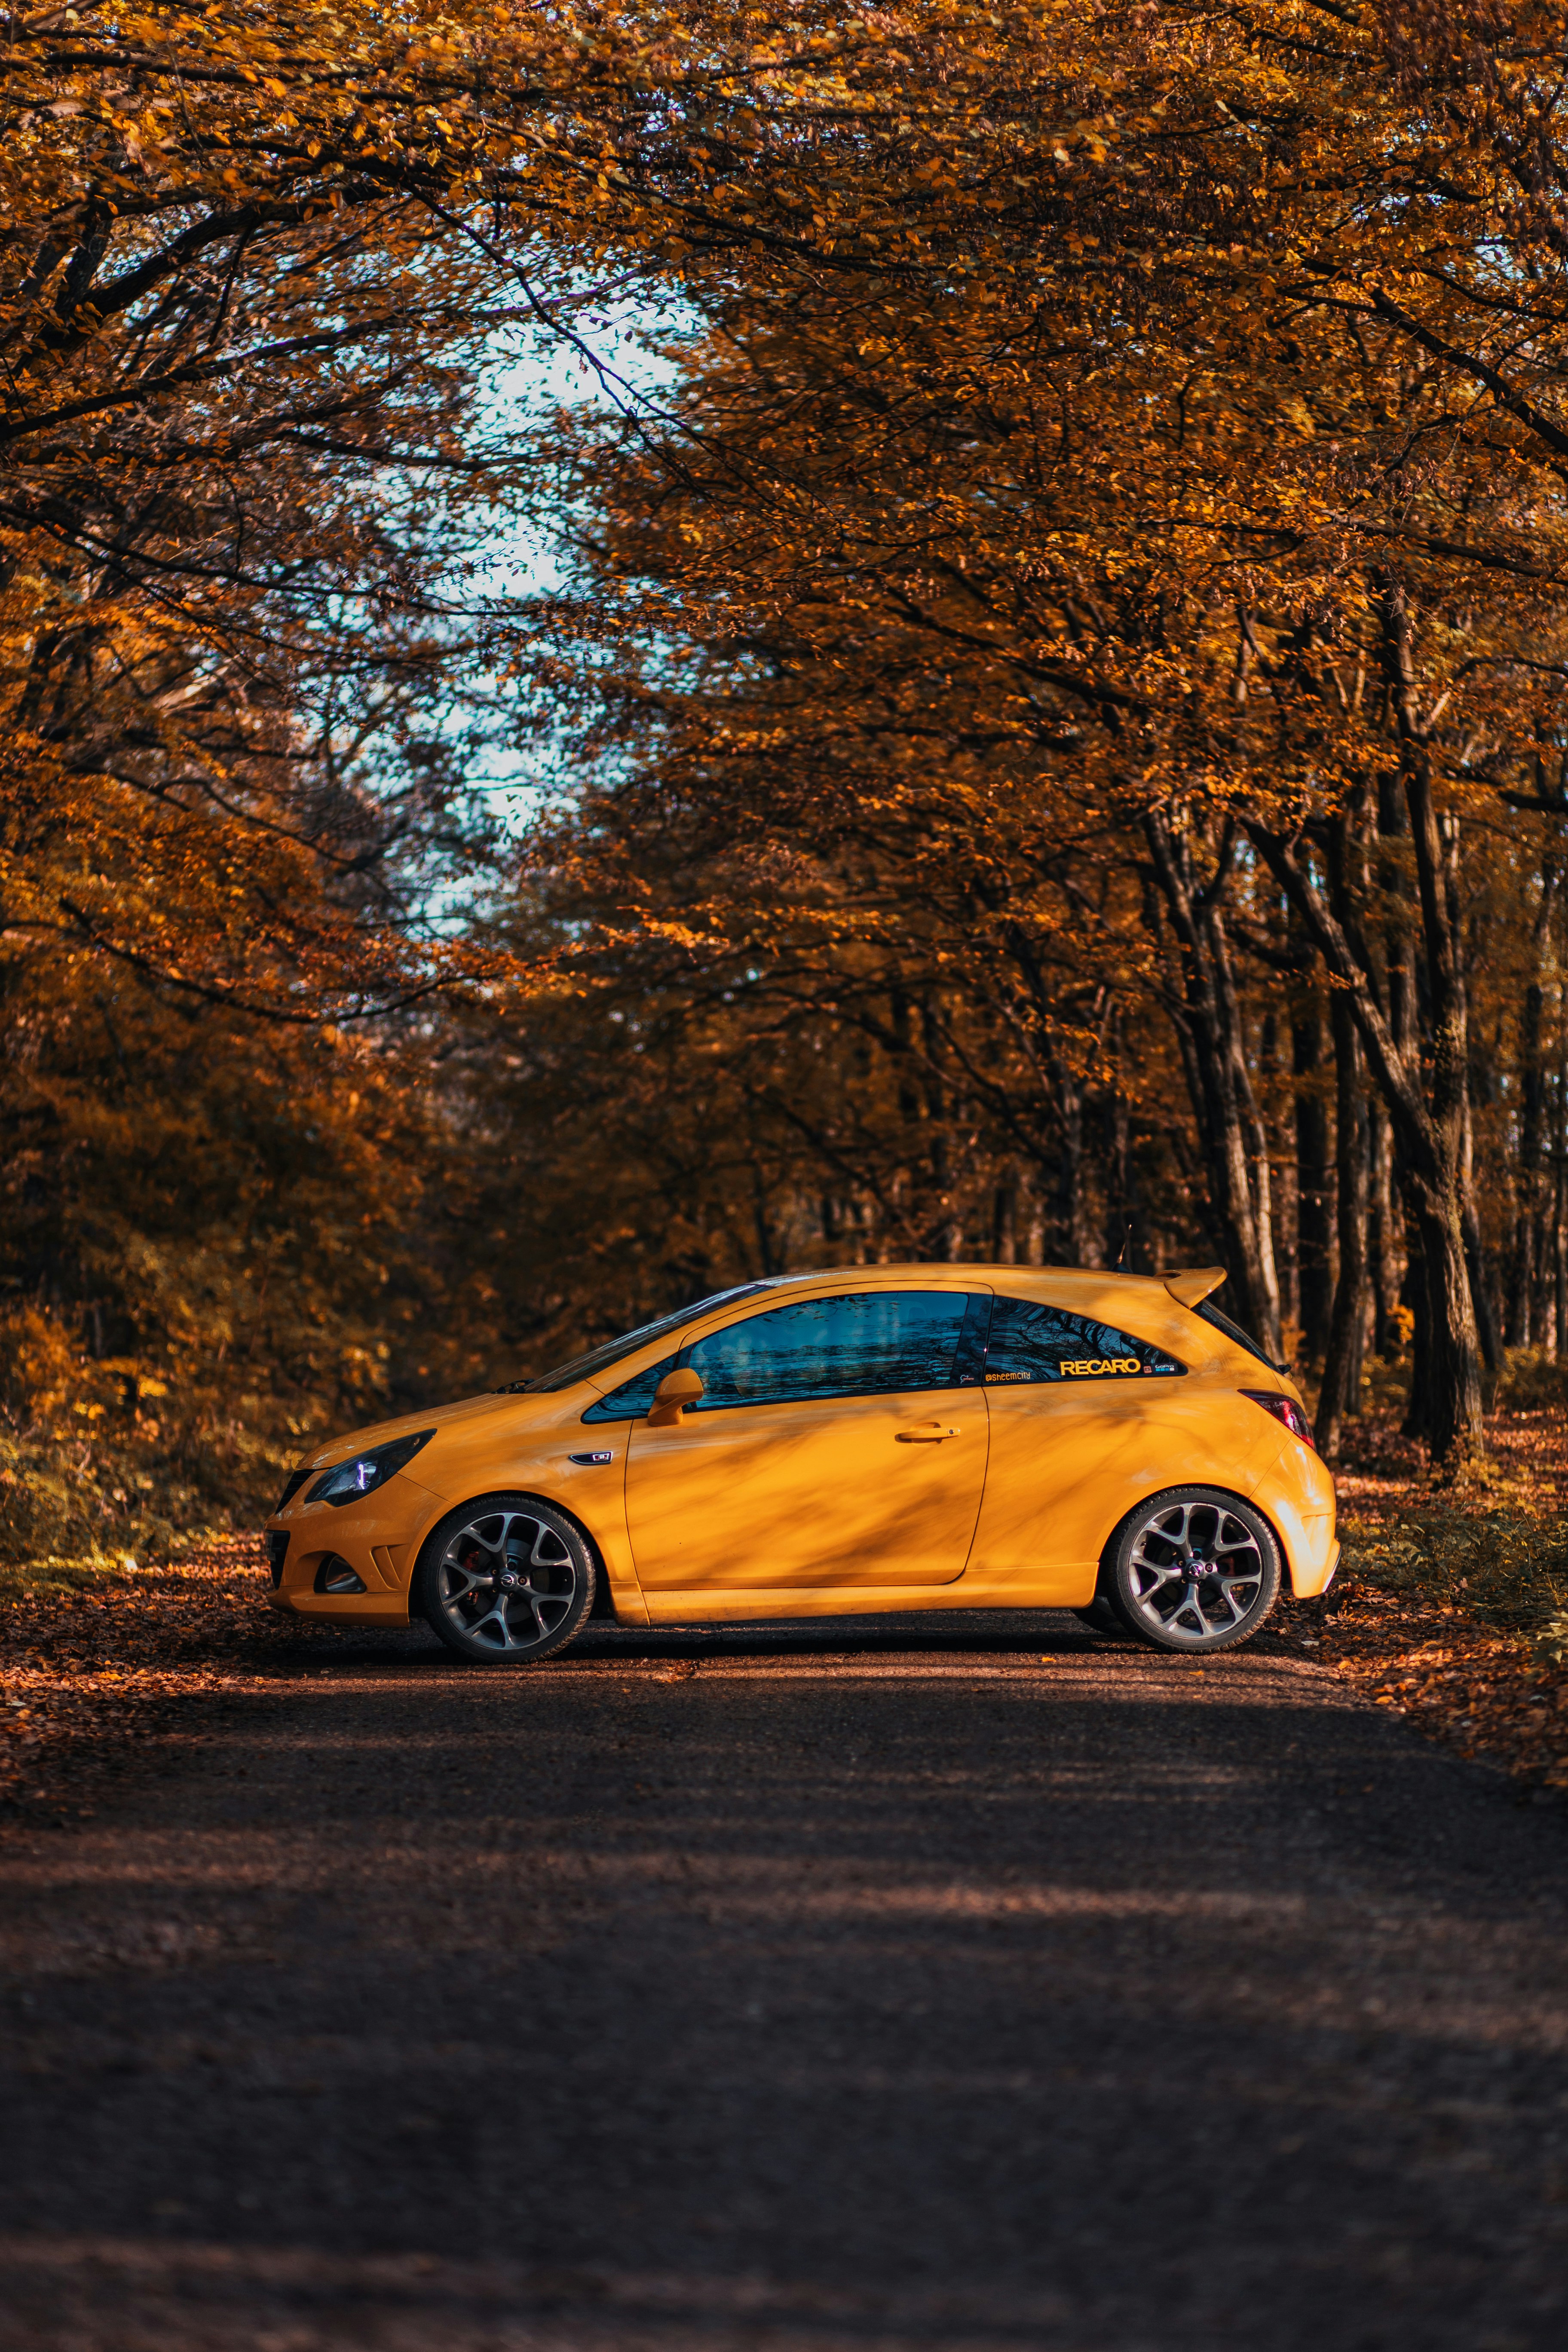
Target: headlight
<point>366,1471</point>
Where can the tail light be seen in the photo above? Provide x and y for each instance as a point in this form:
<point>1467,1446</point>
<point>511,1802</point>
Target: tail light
<point>1286,1410</point>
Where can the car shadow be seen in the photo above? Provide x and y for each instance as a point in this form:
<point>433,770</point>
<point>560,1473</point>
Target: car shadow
<point>965,1632</point>
<point>914,1634</point>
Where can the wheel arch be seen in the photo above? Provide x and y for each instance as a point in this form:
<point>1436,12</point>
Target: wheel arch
<point>1214,1486</point>
<point>604,1610</point>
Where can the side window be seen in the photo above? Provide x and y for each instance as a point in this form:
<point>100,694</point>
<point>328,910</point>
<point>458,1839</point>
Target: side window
<point>874,1343</point>
<point>870,1344</point>
<point>1030,1341</point>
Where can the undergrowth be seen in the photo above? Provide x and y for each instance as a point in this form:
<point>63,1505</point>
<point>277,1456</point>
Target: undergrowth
<point>1506,1567</point>
<point>30,1580</point>
<point>92,1502</point>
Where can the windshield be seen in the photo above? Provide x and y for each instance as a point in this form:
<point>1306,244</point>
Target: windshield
<point>587,1366</point>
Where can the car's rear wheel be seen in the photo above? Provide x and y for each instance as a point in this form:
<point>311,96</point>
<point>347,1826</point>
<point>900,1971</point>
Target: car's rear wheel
<point>1192,1569</point>
<point>505,1581</point>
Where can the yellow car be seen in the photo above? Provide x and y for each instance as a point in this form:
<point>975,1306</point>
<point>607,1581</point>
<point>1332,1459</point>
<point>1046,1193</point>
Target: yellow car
<point>820,1445</point>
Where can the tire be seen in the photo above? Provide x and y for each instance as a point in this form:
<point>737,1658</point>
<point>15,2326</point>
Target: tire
<point>1101,1617</point>
<point>504,1580</point>
<point>1169,1573</point>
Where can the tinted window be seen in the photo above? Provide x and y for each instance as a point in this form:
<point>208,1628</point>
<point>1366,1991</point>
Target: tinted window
<point>610,1351</point>
<point>870,1344</point>
<point>1031,1342</point>
<point>1211,1314</point>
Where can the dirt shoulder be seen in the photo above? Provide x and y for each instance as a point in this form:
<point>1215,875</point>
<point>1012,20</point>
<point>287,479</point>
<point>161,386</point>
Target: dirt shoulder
<point>1442,1609</point>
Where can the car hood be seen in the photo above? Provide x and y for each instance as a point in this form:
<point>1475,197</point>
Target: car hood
<point>438,1416</point>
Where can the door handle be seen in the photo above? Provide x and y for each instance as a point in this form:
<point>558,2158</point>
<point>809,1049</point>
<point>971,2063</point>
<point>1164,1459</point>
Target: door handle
<point>925,1432</point>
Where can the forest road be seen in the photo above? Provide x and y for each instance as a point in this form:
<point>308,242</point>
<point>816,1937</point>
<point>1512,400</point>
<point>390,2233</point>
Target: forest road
<point>837,1989</point>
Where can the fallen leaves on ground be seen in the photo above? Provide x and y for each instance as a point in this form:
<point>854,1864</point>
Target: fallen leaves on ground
<point>1447,1674</point>
<point>93,1661</point>
<point>1458,1656</point>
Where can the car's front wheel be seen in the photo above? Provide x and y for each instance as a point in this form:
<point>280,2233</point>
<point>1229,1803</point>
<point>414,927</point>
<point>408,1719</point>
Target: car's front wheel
<point>1192,1569</point>
<point>505,1581</point>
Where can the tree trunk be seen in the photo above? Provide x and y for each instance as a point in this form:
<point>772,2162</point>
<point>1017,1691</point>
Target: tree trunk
<point>1487,1329</point>
<point>1314,1219</point>
<point>1075,1241</point>
<point>1524,1270</point>
<point>1209,1030</point>
<point>1525,1318</point>
<point>1340,1395</point>
<point>1385,1240</point>
<point>1425,1095</point>
<point>1415,1299</point>
<point>1454,1427</point>
<point>1558,1271</point>
<point>1125,1243</point>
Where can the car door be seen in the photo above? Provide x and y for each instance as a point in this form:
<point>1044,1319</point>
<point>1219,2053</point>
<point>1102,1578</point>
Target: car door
<point>840,1440</point>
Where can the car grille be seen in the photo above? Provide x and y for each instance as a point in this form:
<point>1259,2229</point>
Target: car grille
<point>277,1553</point>
<point>295,1479</point>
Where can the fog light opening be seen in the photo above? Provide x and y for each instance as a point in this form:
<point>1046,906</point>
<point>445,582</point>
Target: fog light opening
<point>335,1575</point>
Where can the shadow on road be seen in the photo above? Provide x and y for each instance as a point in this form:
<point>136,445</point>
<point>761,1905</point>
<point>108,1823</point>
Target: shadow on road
<point>1021,1635</point>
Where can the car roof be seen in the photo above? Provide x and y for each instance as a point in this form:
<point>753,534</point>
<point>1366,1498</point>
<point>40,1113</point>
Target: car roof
<point>1005,1277</point>
<point>1099,1294</point>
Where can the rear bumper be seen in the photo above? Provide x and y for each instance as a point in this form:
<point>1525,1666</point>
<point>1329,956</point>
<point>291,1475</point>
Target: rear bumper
<point>1311,1551</point>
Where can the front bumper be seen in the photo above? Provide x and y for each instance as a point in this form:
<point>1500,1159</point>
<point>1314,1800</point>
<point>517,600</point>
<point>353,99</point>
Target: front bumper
<point>378,1539</point>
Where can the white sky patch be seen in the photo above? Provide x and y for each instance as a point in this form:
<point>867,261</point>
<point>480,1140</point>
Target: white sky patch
<point>522,392</point>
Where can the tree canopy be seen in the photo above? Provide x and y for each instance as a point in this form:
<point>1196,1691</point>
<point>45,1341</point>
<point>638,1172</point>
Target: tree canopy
<point>1051,707</point>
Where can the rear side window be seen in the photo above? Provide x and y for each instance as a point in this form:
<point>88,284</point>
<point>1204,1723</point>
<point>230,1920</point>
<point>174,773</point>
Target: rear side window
<point>1032,1342</point>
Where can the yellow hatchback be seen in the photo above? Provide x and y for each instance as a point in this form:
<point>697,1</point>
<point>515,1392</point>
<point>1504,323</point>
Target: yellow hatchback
<point>873,1439</point>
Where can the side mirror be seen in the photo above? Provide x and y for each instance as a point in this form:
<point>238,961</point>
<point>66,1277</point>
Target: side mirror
<point>673,1394</point>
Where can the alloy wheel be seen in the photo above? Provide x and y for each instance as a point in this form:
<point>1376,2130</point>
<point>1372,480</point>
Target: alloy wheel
<point>506,1581</point>
<point>1196,1575</point>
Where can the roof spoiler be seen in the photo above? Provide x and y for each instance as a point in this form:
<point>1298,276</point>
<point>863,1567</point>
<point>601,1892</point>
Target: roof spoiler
<point>1193,1286</point>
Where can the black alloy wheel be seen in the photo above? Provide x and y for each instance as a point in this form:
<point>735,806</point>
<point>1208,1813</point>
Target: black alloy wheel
<point>506,1581</point>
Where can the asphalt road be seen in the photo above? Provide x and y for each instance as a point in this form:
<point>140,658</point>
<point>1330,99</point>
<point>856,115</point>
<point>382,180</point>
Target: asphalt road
<point>868,1987</point>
